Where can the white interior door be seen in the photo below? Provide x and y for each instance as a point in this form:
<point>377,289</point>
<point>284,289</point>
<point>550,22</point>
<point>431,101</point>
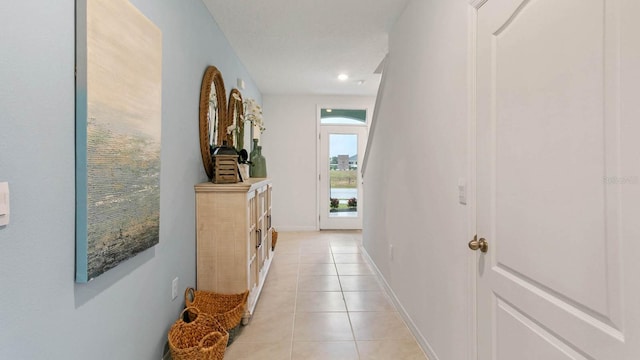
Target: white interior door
<point>340,181</point>
<point>558,166</point>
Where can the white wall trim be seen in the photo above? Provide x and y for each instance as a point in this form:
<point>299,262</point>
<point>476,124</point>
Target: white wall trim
<point>477,4</point>
<point>422,342</point>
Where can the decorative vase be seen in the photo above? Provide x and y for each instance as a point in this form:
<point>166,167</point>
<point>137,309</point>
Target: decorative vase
<point>254,151</point>
<point>258,167</point>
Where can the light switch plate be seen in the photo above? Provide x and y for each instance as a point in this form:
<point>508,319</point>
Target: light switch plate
<point>4,204</point>
<point>174,289</point>
<point>462,191</point>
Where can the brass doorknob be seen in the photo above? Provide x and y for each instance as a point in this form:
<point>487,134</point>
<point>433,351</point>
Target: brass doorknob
<point>481,244</point>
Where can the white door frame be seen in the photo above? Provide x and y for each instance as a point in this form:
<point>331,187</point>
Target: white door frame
<point>472,268</point>
<point>319,108</point>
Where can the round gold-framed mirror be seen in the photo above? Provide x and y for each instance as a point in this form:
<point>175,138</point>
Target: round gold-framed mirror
<point>213,115</point>
<point>235,112</point>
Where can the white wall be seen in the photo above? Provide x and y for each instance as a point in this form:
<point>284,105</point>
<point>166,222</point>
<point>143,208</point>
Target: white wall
<point>290,146</point>
<point>126,312</point>
<point>419,151</point>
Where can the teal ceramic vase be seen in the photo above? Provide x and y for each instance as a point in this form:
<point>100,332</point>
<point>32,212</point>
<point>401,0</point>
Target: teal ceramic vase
<point>258,168</point>
<point>254,150</point>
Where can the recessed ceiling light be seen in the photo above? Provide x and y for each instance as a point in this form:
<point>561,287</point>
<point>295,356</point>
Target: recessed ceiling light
<point>343,77</point>
<point>361,82</point>
<point>329,110</point>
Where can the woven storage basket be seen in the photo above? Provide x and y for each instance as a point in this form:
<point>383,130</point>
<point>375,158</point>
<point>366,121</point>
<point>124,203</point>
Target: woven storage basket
<point>203,338</point>
<point>227,309</point>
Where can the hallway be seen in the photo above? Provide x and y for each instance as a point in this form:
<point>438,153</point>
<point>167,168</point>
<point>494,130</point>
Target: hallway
<point>322,301</point>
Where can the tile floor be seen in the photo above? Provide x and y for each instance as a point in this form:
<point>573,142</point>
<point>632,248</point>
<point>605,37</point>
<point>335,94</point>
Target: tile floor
<point>322,301</point>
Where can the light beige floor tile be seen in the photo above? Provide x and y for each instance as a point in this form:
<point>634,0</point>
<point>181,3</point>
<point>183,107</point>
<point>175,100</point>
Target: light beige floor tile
<point>379,326</point>
<point>283,271</point>
<point>267,327</point>
<point>385,350</point>
<point>287,248</point>
<point>344,350</point>
<point>345,249</point>
<point>345,241</point>
<point>342,234</point>
<point>276,301</point>
<point>259,351</point>
<point>318,269</point>
<point>354,269</point>
<point>318,283</point>
<point>286,283</point>
<point>348,259</point>
<point>367,301</point>
<point>283,268</point>
<point>316,258</point>
<point>303,278</point>
<point>286,258</point>
<point>315,249</point>
<point>359,283</point>
<point>322,326</point>
<point>320,301</point>
<point>289,235</point>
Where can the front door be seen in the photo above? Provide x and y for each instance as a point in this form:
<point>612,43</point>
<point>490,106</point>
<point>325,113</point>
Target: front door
<point>340,180</point>
<point>558,179</point>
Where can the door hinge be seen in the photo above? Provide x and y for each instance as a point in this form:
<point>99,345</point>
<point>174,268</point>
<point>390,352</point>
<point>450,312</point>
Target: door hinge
<point>319,136</point>
<point>318,177</point>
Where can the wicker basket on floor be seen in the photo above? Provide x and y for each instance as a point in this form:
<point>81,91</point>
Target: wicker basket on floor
<point>203,338</point>
<point>227,309</point>
<point>274,238</point>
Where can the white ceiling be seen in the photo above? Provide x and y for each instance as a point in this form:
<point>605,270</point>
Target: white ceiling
<point>300,46</point>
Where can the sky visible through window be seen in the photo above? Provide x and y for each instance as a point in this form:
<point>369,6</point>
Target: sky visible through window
<point>343,144</point>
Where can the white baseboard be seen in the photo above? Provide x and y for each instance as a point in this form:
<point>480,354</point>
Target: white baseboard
<point>295,228</point>
<point>422,342</point>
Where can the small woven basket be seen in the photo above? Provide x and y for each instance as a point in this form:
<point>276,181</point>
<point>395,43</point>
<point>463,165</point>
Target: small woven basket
<point>203,338</point>
<point>227,309</point>
<point>274,239</point>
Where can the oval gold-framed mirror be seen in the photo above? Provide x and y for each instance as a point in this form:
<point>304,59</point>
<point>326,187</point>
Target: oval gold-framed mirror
<point>235,112</point>
<point>213,115</point>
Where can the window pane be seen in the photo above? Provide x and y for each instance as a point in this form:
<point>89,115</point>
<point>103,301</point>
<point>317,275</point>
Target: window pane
<point>343,117</point>
<point>343,175</point>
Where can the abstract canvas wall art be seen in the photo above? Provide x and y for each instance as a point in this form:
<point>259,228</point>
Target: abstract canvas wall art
<point>118,126</point>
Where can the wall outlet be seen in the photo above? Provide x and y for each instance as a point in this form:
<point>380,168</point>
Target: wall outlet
<point>174,289</point>
<point>390,252</point>
<point>4,203</point>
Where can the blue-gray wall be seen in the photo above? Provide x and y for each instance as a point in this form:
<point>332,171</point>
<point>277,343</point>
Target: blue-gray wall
<point>126,312</point>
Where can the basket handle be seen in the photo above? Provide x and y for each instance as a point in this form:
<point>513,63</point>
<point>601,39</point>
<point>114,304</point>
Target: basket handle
<point>189,295</point>
<point>204,339</point>
<point>193,309</point>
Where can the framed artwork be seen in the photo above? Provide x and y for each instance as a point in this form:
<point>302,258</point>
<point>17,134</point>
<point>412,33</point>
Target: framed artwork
<point>118,127</point>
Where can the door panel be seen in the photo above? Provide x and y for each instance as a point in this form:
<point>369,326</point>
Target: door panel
<point>548,145</point>
<point>538,113</point>
<point>520,338</point>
